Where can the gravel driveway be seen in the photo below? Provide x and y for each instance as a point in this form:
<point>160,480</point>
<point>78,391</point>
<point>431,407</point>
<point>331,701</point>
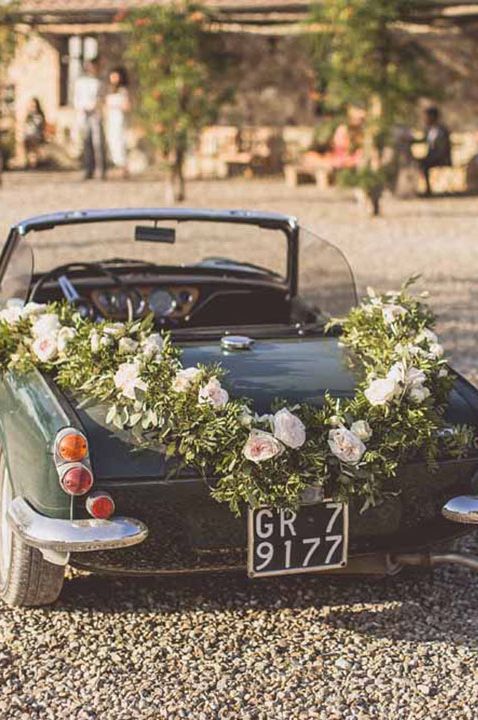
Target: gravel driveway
<point>222,646</point>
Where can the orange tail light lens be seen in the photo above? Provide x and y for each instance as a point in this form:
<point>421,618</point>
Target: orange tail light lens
<point>72,447</point>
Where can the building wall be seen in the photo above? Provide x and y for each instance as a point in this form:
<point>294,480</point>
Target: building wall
<point>34,73</point>
<point>270,77</point>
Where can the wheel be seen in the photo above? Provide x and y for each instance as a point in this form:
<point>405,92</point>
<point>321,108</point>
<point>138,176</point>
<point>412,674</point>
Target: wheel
<point>26,578</point>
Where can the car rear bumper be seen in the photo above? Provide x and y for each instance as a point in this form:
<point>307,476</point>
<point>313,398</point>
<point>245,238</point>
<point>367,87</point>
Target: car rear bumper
<point>64,536</point>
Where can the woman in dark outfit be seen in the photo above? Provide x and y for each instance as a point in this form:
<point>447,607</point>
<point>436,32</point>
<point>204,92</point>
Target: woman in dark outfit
<point>34,135</point>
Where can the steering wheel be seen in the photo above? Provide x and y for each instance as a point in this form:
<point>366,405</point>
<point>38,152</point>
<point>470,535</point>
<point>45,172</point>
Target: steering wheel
<point>84,305</point>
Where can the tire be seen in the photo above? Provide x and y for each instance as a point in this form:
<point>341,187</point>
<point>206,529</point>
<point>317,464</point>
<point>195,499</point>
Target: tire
<point>26,578</point>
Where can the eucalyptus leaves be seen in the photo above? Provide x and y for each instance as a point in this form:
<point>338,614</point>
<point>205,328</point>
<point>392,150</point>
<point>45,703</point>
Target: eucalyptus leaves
<point>349,447</point>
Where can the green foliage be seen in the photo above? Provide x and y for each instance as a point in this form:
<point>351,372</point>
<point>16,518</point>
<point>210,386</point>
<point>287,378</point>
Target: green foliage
<point>7,34</point>
<point>363,58</point>
<point>360,53</point>
<point>167,51</point>
<point>139,377</point>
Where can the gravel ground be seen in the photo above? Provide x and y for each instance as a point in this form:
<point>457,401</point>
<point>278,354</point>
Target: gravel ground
<point>222,646</point>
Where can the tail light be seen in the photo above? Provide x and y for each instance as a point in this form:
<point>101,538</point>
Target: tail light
<point>76,479</point>
<point>100,505</point>
<point>72,462</point>
<point>71,445</point>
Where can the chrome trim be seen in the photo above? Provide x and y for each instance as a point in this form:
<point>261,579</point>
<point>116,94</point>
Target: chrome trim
<point>73,535</point>
<point>236,342</point>
<point>462,509</point>
<point>431,559</point>
<point>378,564</point>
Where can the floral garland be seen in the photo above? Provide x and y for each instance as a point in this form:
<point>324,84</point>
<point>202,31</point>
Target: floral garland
<point>348,447</point>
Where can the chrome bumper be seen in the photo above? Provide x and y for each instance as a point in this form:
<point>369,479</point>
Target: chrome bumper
<point>462,509</point>
<point>65,536</point>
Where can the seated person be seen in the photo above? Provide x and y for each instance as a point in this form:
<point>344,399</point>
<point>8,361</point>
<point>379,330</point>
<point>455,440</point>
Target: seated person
<point>345,149</point>
<point>437,137</point>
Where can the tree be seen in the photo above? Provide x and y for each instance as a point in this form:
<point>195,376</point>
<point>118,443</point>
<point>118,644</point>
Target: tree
<point>174,70</point>
<point>364,58</point>
<point>7,48</point>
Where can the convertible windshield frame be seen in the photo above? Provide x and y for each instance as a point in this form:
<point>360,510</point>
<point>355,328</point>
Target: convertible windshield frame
<point>274,221</point>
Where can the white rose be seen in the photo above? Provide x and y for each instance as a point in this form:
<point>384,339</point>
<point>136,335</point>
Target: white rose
<point>106,341</point>
<point>392,312</point>
<point>381,392</point>
<point>127,345</point>
<point>152,345</point>
<point>185,378</point>
<point>435,350</point>
<point>443,372</point>
<point>261,446</point>
<point>127,380</point>
<point>114,329</point>
<point>289,428</point>
<point>11,315</point>
<point>397,372</point>
<point>64,336</point>
<point>408,349</point>
<point>94,342</point>
<point>246,417</point>
<point>428,335</point>
<point>265,419</point>
<point>418,393</point>
<point>335,421</point>
<point>47,324</point>
<point>45,348</point>
<point>407,377</point>
<point>214,394</point>
<point>33,308</point>
<point>361,429</point>
<point>346,445</point>
<point>414,377</point>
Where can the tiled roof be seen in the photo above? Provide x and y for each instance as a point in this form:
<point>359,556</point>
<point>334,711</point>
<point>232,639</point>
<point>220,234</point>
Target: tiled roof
<point>74,6</point>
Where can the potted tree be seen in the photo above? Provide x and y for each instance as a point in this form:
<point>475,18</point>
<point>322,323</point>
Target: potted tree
<point>176,95</point>
<point>363,57</point>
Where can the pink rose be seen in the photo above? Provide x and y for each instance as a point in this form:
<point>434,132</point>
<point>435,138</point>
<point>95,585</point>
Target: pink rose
<point>214,394</point>
<point>185,378</point>
<point>346,445</point>
<point>45,348</point>
<point>261,446</point>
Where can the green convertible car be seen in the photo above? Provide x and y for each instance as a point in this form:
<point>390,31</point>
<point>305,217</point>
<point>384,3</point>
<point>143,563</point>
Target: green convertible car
<point>75,490</point>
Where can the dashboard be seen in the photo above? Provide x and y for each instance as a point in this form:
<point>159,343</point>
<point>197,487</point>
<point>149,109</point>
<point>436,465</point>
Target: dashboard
<point>173,301</point>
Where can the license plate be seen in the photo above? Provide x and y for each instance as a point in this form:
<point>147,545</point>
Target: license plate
<point>311,539</point>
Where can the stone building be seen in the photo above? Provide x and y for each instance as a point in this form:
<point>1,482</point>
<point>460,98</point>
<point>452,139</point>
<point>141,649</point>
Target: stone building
<point>263,43</point>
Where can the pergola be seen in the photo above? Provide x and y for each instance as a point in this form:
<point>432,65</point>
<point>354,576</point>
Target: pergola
<point>270,17</point>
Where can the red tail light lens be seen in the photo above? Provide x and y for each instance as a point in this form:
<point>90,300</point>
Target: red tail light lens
<point>76,480</point>
<point>100,505</point>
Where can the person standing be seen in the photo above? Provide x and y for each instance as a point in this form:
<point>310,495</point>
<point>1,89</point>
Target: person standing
<point>87,103</point>
<point>437,138</point>
<point>117,107</point>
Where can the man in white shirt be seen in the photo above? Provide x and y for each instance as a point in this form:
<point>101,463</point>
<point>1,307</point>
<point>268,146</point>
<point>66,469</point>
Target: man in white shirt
<point>87,103</point>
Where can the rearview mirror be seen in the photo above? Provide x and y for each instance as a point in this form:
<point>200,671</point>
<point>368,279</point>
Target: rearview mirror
<point>145,233</point>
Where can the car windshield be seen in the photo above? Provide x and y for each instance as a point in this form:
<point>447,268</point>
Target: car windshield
<point>324,274</point>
